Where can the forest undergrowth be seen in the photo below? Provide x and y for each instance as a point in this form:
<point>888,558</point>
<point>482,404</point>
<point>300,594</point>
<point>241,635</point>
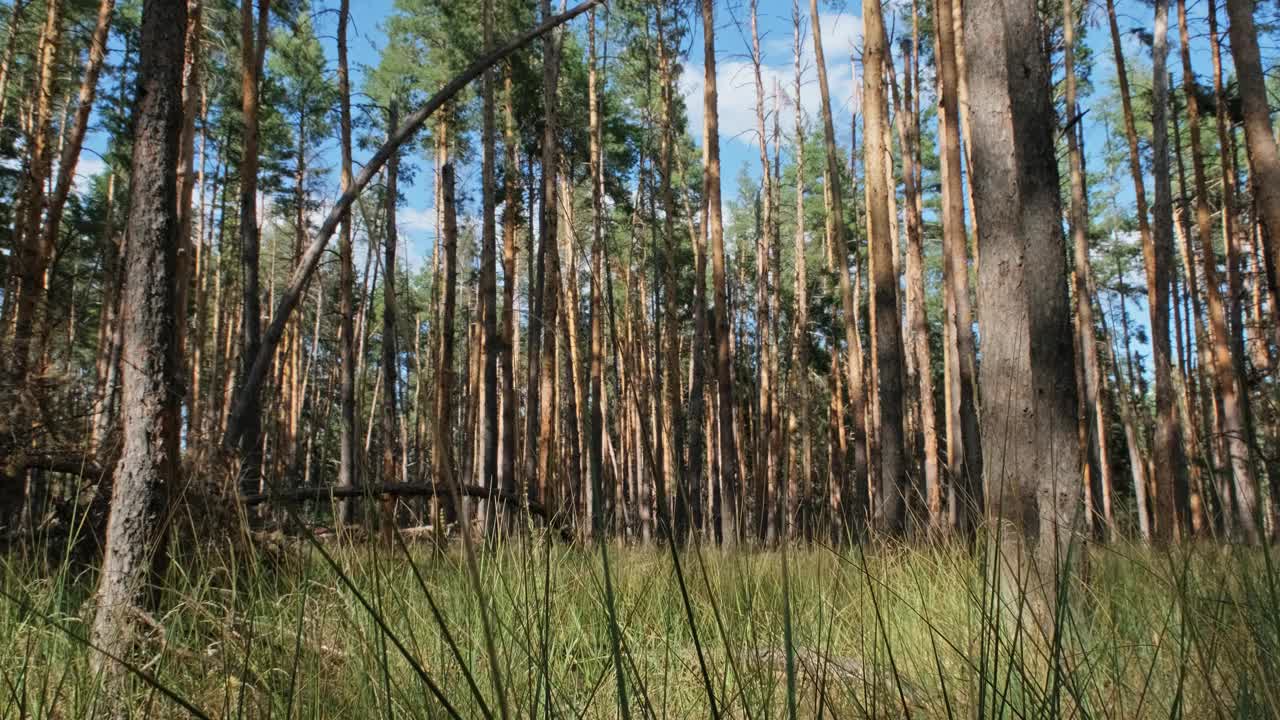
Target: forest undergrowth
<point>346,628</point>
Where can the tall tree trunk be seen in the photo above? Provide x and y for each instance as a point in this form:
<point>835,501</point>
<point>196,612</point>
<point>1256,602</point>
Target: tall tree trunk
<point>1153,248</point>
<point>1264,158</point>
<point>1029,409</point>
<point>856,504</point>
<point>487,474</point>
<point>1170,496</point>
<point>890,509</point>
<point>798,468</point>
<point>33,253</point>
<point>1087,350</point>
<point>148,467</point>
<point>551,267</point>
<point>444,368</point>
<point>908,135</point>
<point>765,460</point>
<point>730,523</point>
<point>347,454</point>
<point>964,445</point>
<point>596,443</point>
<point>252,48</point>
<point>510,213</point>
<point>1227,383</point>
<point>390,351</point>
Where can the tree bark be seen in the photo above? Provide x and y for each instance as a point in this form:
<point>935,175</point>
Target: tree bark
<point>347,456</point>
<point>890,509</point>
<point>964,445</point>
<point>1087,350</point>
<point>1029,410</point>
<point>1264,157</point>
<point>148,468</point>
<point>855,506</point>
<point>1227,382</point>
<point>730,522</point>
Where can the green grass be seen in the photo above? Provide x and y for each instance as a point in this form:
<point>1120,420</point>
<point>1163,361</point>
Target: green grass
<point>880,631</point>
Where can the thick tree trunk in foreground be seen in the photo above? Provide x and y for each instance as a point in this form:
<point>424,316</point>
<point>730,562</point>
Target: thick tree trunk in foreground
<point>1029,413</point>
<point>148,467</point>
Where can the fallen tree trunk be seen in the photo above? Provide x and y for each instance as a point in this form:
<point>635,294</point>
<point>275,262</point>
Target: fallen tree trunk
<point>311,258</point>
<point>397,489</point>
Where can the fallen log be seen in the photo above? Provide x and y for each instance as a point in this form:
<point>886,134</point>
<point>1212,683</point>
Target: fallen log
<point>396,489</point>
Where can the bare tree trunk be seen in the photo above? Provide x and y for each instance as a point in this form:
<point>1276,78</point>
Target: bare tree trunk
<point>798,469</point>
<point>148,468</point>
<point>347,456</point>
<point>1153,250</point>
<point>964,445</point>
<point>1264,157</point>
<point>1227,383</point>
<point>596,444</point>
<point>765,460</point>
<point>730,524</point>
<point>33,253</point>
<point>890,506</point>
<point>856,505</point>
<point>545,444</point>
<point>1094,406</point>
<point>1028,422</point>
<point>253,47</point>
<point>673,467</point>
<point>510,212</point>
<point>444,368</point>
<point>1172,517</point>
<point>908,136</point>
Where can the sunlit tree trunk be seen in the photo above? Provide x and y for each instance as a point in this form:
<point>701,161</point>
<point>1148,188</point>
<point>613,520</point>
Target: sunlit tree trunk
<point>964,446</point>
<point>32,251</point>
<point>1264,158</point>
<point>799,466</point>
<point>730,522</point>
<point>855,505</point>
<point>889,510</point>
<point>1227,383</point>
<point>1031,476</point>
<point>1087,350</point>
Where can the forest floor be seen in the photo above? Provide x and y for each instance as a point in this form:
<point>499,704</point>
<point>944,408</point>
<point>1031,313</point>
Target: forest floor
<point>360,629</point>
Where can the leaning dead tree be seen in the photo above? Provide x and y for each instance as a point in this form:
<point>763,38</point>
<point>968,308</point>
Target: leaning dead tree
<point>245,400</point>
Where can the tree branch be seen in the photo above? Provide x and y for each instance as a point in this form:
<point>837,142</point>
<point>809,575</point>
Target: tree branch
<point>311,258</point>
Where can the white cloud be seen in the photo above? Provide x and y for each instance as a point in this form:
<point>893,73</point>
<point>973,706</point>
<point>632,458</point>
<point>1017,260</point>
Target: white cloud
<point>87,168</point>
<point>735,81</point>
<point>416,219</point>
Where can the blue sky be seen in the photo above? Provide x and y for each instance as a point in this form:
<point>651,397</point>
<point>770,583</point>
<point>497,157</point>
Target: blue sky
<point>841,29</point>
